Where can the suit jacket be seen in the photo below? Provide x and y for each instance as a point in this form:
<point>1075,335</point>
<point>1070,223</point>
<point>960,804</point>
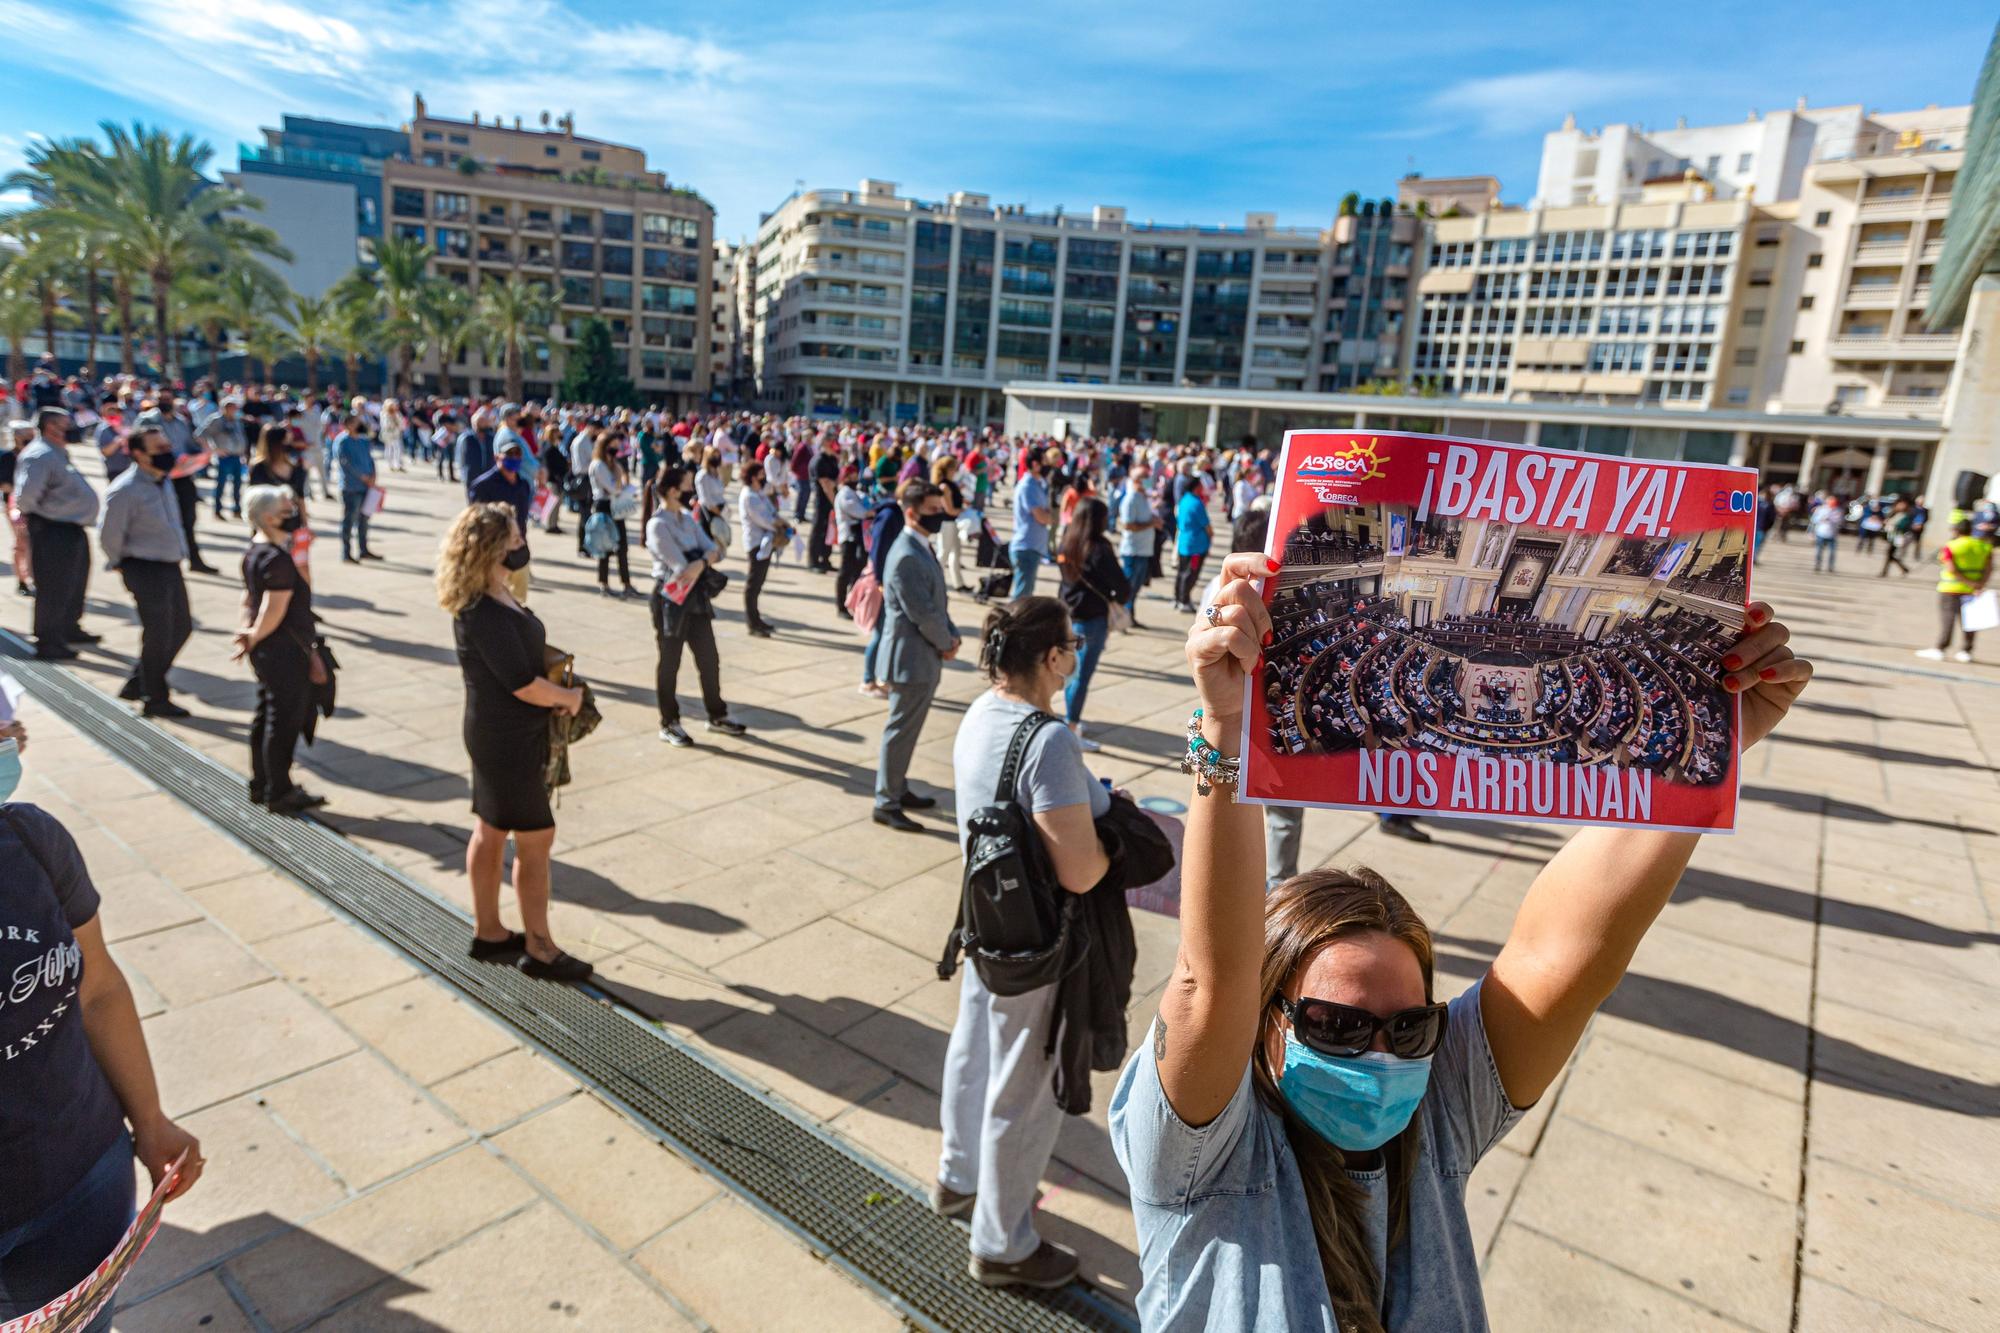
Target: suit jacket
<point>916,630</point>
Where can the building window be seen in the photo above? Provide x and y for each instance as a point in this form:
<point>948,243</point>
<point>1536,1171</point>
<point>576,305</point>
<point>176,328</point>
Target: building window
<point>1743,163</point>
<point>617,226</point>
<point>592,155</point>
<point>458,139</point>
<point>1739,396</point>
<point>405,202</point>
<point>1821,218</point>
<point>409,231</point>
<point>1814,261</point>
<point>615,291</point>
<point>1805,303</point>
<point>432,136</point>
<point>549,151</point>
<point>1714,166</point>
<point>1798,345</point>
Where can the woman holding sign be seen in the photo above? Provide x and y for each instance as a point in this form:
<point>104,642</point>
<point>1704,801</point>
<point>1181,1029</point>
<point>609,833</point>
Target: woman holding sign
<point>1299,1128</point>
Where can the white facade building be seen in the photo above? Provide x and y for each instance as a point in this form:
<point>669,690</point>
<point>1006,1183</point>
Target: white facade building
<point>874,305</point>
<point>1763,157</point>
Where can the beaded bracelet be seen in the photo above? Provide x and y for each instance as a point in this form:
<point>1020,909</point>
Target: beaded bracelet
<point>1207,763</point>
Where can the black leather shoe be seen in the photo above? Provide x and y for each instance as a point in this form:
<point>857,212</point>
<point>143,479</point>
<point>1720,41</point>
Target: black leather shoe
<point>912,801</point>
<point>82,636</point>
<point>132,689</point>
<point>45,654</point>
<point>897,820</point>
<point>165,708</point>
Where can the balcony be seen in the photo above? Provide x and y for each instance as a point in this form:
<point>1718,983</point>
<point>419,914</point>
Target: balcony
<point>847,365</point>
<point>829,233</point>
<point>1284,335</point>
<point>1881,347</point>
<point>535,258</point>
<point>1924,407</point>
<point>928,372</point>
<point>495,254</point>
<point>824,297</point>
<point>1882,252</point>
<point>538,222</point>
<point>815,264</point>
<point>1879,297</point>
<point>579,227</point>
<point>1896,206</point>
<point>497,219</point>
<point>1284,300</point>
<point>1931,253</point>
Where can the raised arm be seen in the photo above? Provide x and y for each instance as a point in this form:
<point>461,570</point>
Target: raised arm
<point>1208,1015</point>
<point>1585,914</point>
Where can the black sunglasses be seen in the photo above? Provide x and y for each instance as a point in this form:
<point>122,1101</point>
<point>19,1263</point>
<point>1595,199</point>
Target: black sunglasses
<point>1344,1031</point>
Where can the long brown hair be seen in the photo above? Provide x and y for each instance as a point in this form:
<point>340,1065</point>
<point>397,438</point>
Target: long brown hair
<point>1302,914</point>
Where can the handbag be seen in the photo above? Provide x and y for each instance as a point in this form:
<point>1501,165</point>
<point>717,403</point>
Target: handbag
<point>600,538</point>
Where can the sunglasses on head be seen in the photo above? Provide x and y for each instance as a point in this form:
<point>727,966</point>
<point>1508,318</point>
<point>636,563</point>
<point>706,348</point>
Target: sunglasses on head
<point>1344,1031</point>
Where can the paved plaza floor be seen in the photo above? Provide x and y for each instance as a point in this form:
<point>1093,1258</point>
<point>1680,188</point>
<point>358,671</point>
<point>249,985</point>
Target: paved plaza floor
<point>1786,1117</point>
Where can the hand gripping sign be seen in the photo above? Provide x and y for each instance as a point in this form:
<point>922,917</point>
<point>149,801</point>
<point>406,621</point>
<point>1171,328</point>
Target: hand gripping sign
<point>75,1308</point>
<point>1478,629</point>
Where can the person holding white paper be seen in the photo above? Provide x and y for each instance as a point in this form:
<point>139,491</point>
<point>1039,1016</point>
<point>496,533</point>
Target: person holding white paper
<point>1299,1128</point>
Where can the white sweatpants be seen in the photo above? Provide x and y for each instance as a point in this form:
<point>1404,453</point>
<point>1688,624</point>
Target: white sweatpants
<point>1000,1114</point>
<point>948,554</point>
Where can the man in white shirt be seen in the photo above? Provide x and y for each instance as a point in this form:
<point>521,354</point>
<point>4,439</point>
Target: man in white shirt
<point>1138,528</point>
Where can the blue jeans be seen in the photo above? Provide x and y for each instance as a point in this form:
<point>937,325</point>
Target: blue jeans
<point>1093,633</point>
<point>1136,568</point>
<point>1824,546</point>
<point>352,521</point>
<point>42,1259</point>
<point>868,653</point>
<point>1026,564</point>
<point>228,472</point>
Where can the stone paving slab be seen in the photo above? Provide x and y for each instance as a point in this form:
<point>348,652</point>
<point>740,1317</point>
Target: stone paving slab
<point>1819,993</point>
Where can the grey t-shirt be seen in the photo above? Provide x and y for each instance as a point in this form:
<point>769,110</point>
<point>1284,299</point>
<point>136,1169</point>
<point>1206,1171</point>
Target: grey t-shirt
<point>1225,1241</point>
<point>1052,771</point>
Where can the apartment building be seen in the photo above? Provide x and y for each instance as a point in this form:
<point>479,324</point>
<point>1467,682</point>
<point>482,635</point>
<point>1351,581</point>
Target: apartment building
<point>1870,231</point>
<point>1372,253</point>
<point>610,237</point>
<point>728,325</point>
<point>321,183</point>
<point>1627,303</point>
<point>870,304</point>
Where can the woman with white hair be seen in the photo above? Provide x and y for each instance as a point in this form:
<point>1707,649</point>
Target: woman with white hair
<point>277,636</point>
<point>391,434</point>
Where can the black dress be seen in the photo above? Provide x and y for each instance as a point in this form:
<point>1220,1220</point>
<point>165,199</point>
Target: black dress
<point>499,651</point>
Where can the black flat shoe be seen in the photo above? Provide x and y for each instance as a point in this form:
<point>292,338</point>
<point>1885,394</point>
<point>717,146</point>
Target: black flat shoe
<point>164,708</point>
<point>912,801</point>
<point>562,967</point>
<point>487,951</point>
<point>83,636</point>
<point>897,820</point>
<point>296,802</point>
<point>132,689</point>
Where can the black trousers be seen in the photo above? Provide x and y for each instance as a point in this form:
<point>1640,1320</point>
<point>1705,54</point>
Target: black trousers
<point>1187,576</point>
<point>188,496</point>
<point>164,621</point>
<point>759,569</point>
<point>1948,606</point>
<point>691,632</point>
<point>853,559</point>
<point>284,701</point>
<point>61,556</point>
<point>819,551</point>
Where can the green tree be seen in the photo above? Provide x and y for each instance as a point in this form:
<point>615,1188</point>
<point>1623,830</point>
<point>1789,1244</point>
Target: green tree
<point>153,212</point>
<point>445,325</point>
<point>593,373</point>
<point>514,315</point>
<point>401,277</point>
<point>20,312</point>
<point>1350,203</point>
<point>308,326</point>
<point>264,345</point>
<point>353,330</point>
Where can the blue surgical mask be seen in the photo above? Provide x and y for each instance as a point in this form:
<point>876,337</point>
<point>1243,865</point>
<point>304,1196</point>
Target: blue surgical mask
<point>1357,1103</point>
<point>10,768</point>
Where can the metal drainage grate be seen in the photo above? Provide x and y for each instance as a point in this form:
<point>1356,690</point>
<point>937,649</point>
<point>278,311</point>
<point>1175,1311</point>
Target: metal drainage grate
<point>847,1209</point>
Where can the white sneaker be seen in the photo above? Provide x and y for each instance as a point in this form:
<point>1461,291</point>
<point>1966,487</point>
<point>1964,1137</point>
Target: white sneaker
<point>1961,656</point>
<point>676,735</point>
<point>1931,654</point>
<point>1087,745</point>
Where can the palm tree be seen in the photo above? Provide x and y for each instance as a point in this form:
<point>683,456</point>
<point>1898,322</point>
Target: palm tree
<point>402,275</point>
<point>514,315</point>
<point>20,311</point>
<point>264,343</point>
<point>445,325</point>
<point>354,328</point>
<point>153,212</point>
<point>309,328</point>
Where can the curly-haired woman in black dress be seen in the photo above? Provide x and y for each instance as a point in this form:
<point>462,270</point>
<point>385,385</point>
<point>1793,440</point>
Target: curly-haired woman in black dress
<point>507,705</point>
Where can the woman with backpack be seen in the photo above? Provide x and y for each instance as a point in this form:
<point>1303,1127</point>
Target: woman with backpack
<point>607,485</point>
<point>1092,583</point>
<point>999,1112</point>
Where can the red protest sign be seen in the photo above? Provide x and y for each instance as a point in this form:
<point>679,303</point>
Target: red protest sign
<point>1480,629</point>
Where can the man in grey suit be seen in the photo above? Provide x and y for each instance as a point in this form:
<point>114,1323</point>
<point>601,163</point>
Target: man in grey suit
<point>917,640</point>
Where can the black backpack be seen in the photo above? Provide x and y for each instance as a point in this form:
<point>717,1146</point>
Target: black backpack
<point>1013,921</point>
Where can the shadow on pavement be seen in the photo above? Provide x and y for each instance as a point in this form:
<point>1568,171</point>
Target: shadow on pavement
<point>1861,918</point>
<point>1691,1011</point>
<point>155,1297</point>
<point>1833,807</point>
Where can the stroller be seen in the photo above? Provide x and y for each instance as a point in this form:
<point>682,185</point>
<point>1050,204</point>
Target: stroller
<point>991,555</point>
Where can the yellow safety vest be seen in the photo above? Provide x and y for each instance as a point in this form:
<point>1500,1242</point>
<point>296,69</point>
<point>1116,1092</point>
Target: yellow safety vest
<point>1969,556</point>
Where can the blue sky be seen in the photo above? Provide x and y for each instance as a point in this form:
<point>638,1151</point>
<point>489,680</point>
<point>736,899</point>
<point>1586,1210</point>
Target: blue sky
<point>1179,112</point>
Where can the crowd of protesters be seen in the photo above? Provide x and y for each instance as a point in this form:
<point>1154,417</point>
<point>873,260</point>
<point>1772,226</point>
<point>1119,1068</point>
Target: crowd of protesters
<point>1286,1101</point>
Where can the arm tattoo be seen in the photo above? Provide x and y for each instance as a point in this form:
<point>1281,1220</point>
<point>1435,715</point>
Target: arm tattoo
<point>1159,1038</point>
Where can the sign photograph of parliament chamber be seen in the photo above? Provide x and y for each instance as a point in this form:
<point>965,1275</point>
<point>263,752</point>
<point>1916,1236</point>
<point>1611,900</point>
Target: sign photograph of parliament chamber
<point>1473,629</point>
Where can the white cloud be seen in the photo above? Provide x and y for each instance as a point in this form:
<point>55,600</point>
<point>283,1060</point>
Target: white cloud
<point>1511,104</point>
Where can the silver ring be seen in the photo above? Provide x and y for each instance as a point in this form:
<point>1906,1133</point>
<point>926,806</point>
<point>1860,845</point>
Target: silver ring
<point>1213,612</point>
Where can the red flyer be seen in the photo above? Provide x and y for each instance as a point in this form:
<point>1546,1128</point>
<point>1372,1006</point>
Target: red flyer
<point>75,1308</point>
<point>1498,631</point>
